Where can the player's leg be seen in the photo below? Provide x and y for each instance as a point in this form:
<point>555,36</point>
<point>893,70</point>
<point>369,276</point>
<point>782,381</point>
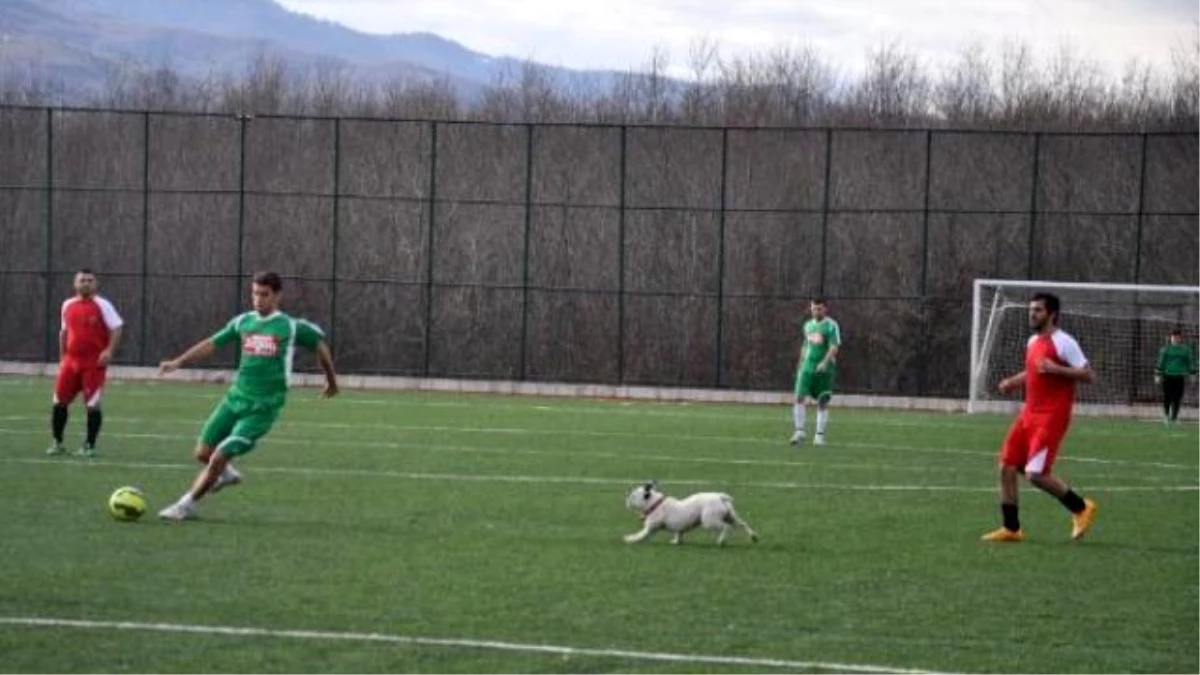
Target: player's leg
<point>799,407</point>
<point>217,428</point>
<point>244,437</point>
<point>66,387</point>
<point>1012,461</point>
<point>1175,386</point>
<point>1045,443</point>
<point>249,427</point>
<point>93,379</point>
<point>822,391</point>
<point>1166,399</point>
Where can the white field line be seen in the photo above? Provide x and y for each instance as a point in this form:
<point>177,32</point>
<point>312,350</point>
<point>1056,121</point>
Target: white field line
<point>685,409</point>
<point>635,435</point>
<point>462,643</point>
<point>571,480</point>
<point>285,439</point>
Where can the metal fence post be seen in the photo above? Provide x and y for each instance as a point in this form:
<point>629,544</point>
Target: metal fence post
<point>923,347</point>
<point>525,251</point>
<point>145,235</point>
<point>337,191</point>
<point>241,221</point>
<point>825,210</point>
<point>1033,206</point>
<point>721,254</point>
<point>1135,346</point>
<point>621,258</point>
<point>1141,212</point>
<point>432,202</point>
<point>50,353</point>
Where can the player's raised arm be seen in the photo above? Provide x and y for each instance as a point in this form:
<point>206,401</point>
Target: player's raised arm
<point>204,348</point>
<point>197,352</point>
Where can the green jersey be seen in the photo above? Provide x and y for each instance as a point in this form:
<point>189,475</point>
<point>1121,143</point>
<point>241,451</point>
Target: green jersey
<point>819,338</point>
<point>1176,360</point>
<point>268,347</point>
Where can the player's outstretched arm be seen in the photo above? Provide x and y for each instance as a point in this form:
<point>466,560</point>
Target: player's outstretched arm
<point>1011,384</point>
<point>325,361</point>
<point>199,351</point>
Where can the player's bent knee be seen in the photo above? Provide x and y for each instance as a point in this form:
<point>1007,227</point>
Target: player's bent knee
<point>234,446</point>
<point>1039,479</point>
<point>202,453</point>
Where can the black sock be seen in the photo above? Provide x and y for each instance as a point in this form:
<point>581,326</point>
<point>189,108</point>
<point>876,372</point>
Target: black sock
<point>1073,501</point>
<point>94,417</point>
<point>1012,522</point>
<point>58,421</point>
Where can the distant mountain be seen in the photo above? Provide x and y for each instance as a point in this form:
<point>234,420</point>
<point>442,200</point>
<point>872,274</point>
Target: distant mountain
<point>80,42</point>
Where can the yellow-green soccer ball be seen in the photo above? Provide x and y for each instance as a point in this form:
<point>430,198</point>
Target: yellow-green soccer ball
<point>127,503</point>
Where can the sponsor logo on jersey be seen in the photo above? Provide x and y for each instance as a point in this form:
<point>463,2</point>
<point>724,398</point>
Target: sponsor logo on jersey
<point>256,344</point>
<point>816,337</point>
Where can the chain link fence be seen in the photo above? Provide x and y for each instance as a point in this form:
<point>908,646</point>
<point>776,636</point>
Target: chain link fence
<point>669,256</point>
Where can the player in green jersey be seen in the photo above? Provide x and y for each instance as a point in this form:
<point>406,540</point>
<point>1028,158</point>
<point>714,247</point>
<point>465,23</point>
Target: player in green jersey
<point>815,371</point>
<point>1176,362</point>
<point>267,339</point>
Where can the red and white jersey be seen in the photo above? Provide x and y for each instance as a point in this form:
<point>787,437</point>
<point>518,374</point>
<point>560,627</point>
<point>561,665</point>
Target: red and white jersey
<point>89,323</point>
<point>1045,394</point>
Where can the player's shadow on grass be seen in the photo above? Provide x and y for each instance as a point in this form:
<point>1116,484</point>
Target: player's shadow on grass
<point>1137,549</point>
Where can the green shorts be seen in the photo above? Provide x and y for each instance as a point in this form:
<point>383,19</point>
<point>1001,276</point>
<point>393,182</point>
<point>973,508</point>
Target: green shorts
<point>237,423</point>
<point>814,385</point>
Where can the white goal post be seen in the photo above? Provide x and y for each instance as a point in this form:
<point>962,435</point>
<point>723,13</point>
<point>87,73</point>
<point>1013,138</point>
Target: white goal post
<point>1121,328</point>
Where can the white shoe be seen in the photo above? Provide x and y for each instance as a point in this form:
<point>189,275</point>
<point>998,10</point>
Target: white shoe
<point>798,437</point>
<point>228,478</point>
<point>819,439</point>
<point>177,512</point>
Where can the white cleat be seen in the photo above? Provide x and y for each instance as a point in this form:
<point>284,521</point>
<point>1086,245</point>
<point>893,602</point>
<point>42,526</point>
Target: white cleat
<point>798,437</point>
<point>177,512</point>
<point>819,439</point>
<point>228,478</point>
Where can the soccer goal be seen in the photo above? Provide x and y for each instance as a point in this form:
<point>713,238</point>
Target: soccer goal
<point>1121,328</point>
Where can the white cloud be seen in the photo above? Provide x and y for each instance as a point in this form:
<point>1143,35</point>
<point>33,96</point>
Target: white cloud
<point>620,34</point>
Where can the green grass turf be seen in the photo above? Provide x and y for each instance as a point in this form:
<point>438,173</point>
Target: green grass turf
<point>500,518</point>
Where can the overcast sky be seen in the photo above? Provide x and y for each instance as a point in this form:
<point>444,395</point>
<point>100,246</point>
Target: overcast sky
<point>620,34</point>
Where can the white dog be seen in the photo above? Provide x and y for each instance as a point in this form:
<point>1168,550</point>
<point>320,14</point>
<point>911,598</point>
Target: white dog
<point>712,510</point>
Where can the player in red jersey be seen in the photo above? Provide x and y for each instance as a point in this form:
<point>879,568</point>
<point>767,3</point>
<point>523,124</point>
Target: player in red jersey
<point>90,333</point>
<point>1054,363</point>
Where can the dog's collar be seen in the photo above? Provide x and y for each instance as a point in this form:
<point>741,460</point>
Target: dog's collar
<point>657,503</point>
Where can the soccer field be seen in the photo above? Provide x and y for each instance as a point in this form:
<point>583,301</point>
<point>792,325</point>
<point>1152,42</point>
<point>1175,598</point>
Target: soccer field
<point>394,532</point>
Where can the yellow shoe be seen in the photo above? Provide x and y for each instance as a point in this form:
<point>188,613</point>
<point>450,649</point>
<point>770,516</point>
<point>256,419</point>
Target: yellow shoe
<point>1004,534</point>
<point>1083,520</point>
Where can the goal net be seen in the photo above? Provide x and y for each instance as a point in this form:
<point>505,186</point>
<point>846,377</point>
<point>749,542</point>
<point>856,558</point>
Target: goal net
<point>1121,328</point>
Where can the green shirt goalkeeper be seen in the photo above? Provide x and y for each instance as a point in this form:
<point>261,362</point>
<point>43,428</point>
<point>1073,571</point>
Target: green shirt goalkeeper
<point>1176,361</point>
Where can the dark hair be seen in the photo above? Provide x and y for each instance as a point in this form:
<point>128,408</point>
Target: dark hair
<point>1177,331</point>
<point>86,270</point>
<point>269,279</point>
<point>1050,301</point>
<point>817,301</point>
